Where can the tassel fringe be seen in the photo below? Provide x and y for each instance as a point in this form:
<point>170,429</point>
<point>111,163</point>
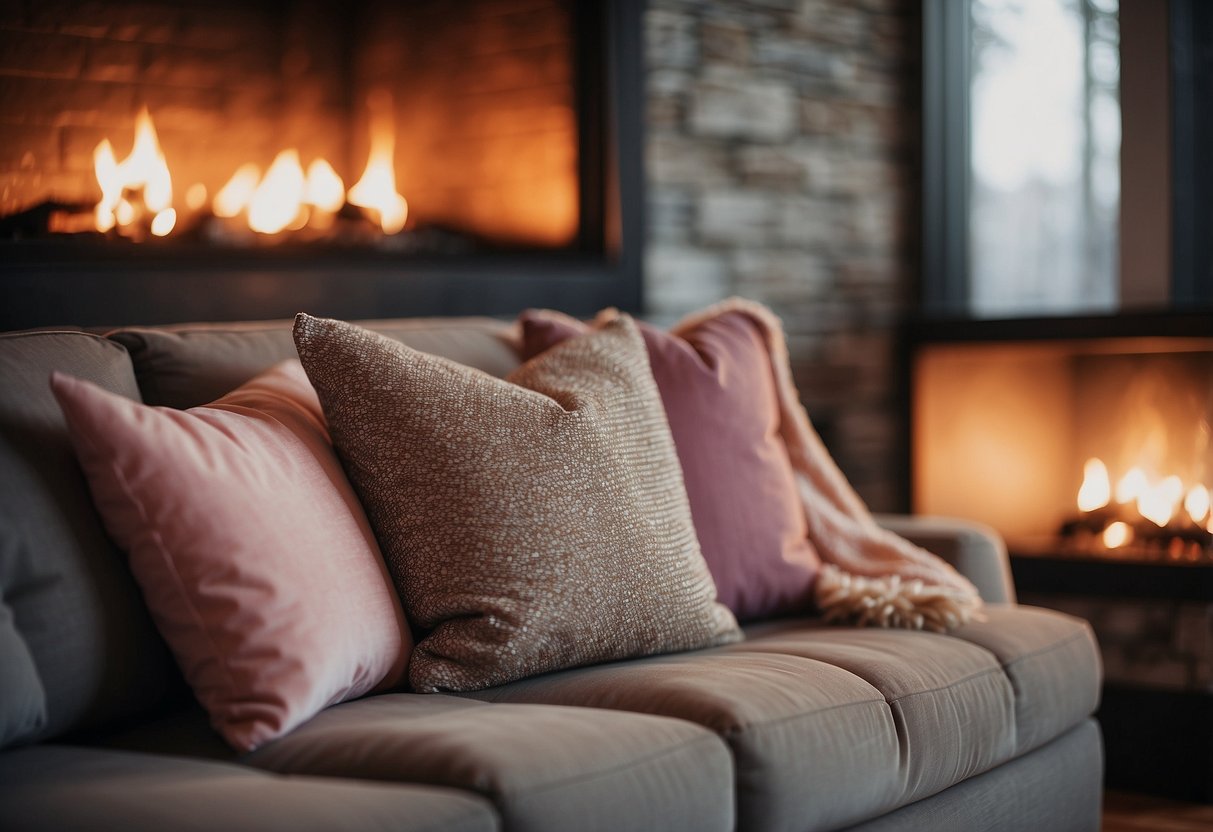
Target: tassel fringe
<point>889,601</point>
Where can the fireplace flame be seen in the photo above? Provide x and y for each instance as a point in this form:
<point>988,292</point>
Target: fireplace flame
<point>278,201</point>
<point>1156,504</point>
<point>236,194</point>
<point>1131,486</point>
<point>1117,534</point>
<point>376,190</point>
<point>146,170</point>
<point>324,188</point>
<point>1197,503</point>
<point>1096,490</point>
<point>139,188</point>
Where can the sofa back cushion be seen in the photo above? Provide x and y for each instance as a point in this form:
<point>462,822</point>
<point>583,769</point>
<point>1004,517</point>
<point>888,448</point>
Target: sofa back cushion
<point>73,600</point>
<point>22,698</point>
<point>186,365</point>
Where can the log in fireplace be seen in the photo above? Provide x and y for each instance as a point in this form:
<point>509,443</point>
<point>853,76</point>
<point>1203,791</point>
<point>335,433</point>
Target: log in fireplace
<point>1088,442</point>
<point>166,161</point>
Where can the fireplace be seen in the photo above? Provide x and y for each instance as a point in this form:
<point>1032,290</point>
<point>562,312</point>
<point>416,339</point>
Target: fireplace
<point>1088,442</point>
<point>167,161</point>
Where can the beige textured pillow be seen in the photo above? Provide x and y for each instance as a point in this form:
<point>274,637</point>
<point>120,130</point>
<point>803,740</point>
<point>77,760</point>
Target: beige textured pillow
<point>531,524</point>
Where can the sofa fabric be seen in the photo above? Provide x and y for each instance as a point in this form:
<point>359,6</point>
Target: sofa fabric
<point>603,564</point>
<point>87,790</point>
<point>255,558</point>
<point>544,768</point>
<point>829,726</point>
<point>74,602</point>
<point>717,386</point>
<point>1057,788</point>
<point>186,365</point>
<point>22,698</point>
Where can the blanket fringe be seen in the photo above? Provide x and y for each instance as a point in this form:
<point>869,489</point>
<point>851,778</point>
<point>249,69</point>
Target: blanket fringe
<point>889,601</point>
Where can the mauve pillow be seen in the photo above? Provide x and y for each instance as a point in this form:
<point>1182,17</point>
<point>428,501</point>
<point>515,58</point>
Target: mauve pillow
<point>531,524</point>
<point>254,556</point>
<point>718,389</point>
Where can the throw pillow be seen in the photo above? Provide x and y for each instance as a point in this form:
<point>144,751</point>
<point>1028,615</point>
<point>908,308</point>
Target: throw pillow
<point>531,524</point>
<point>719,392</point>
<point>256,561</point>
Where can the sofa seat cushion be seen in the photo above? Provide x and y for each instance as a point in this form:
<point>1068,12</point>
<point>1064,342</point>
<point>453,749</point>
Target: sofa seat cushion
<point>830,726</point>
<point>186,365</point>
<point>62,787</point>
<point>544,768</point>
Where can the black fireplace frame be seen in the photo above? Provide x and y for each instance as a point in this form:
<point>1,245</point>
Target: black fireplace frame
<point>92,283</point>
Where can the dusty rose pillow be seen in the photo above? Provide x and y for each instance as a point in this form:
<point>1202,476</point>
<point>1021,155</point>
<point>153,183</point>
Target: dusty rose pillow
<point>252,551</point>
<point>531,524</point>
<point>718,389</point>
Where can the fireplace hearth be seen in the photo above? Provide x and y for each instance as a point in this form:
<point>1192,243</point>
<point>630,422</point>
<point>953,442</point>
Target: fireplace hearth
<point>180,161</point>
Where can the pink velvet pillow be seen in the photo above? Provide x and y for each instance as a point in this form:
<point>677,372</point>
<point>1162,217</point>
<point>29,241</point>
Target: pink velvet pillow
<point>718,389</point>
<point>254,556</point>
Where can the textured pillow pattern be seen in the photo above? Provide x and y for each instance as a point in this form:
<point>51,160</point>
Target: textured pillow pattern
<point>253,554</point>
<point>718,389</point>
<point>531,524</point>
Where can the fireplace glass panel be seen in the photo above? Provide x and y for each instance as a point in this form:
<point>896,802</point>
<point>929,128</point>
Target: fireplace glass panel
<point>1003,433</point>
<point>479,97</point>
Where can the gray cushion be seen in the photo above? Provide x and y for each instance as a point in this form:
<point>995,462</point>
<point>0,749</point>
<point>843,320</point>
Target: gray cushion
<point>545,768</point>
<point>60,787</point>
<point>185,365</point>
<point>829,726</point>
<point>22,699</point>
<point>73,599</point>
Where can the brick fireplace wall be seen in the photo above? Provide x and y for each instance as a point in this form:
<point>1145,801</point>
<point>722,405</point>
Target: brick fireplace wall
<point>782,147</point>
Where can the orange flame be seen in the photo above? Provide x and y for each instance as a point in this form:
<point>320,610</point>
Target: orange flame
<point>376,190</point>
<point>1096,488</point>
<point>235,196</point>
<point>278,201</point>
<point>324,188</point>
<point>1197,503</point>
<point>1131,486</point>
<point>1117,534</point>
<point>1157,504</point>
<point>144,169</point>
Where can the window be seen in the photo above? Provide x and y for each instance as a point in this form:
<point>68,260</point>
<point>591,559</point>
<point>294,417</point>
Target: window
<point>1023,169</point>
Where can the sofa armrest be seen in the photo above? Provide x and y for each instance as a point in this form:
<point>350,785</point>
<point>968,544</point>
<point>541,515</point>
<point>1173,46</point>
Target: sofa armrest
<point>975,550</point>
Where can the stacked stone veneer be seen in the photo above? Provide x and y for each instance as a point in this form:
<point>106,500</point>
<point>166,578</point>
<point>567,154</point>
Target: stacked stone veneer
<point>1147,643</point>
<point>781,162</point>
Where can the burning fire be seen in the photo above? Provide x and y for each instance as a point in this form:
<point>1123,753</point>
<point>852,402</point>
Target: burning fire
<point>143,176</point>
<point>137,192</point>
<point>1162,502</point>
<point>376,190</point>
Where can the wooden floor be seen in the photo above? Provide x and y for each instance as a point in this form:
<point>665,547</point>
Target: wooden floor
<point>1124,812</point>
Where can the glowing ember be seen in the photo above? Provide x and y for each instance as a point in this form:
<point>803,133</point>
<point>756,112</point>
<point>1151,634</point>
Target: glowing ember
<point>1096,488</point>
<point>235,196</point>
<point>278,200</point>
<point>376,190</point>
<point>163,222</point>
<point>195,196</point>
<point>1117,534</point>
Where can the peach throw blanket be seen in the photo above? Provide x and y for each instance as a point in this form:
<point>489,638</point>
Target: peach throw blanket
<point>870,576</point>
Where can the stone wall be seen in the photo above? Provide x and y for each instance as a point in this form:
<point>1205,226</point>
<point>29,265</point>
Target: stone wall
<point>782,166</point>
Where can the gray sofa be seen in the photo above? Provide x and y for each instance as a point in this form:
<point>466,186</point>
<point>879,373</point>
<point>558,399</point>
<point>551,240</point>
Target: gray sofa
<point>799,727</point>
